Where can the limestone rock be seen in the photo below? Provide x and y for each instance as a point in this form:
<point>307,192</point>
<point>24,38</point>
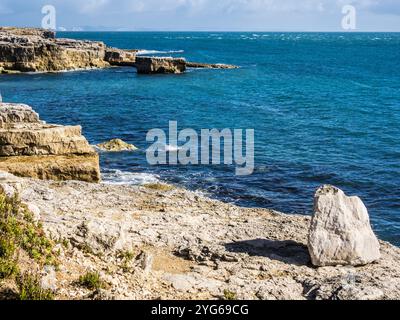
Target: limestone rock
<point>151,65</point>
<point>101,222</point>
<point>31,148</point>
<point>210,65</point>
<point>32,50</point>
<point>17,113</point>
<point>43,33</point>
<point>116,145</point>
<point>340,232</point>
<point>145,260</point>
<point>118,57</point>
<point>61,168</point>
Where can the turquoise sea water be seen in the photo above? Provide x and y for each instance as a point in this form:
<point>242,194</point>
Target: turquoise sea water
<point>325,108</point>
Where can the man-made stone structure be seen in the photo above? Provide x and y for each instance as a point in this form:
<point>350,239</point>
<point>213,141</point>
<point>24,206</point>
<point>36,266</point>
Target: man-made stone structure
<point>116,145</point>
<point>32,148</point>
<point>37,50</point>
<point>151,65</point>
<point>340,232</point>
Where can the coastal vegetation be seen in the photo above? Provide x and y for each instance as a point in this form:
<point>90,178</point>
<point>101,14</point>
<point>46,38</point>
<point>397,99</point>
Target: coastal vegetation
<point>23,247</point>
<point>91,281</point>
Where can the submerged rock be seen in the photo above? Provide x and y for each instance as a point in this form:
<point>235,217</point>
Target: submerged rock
<point>340,232</point>
<point>31,148</point>
<point>116,145</point>
<point>151,65</point>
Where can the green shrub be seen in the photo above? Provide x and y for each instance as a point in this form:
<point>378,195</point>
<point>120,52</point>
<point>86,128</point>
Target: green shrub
<point>19,232</point>
<point>91,280</point>
<point>18,229</point>
<point>29,288</point>
<point>8,268</point>
<point>229,295</point>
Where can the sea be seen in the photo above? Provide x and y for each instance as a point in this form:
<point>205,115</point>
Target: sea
<point>325,108</point>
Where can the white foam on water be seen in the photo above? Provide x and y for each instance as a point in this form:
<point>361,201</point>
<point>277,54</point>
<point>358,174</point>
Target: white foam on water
<point>144,52</point>
<point>118,177</point>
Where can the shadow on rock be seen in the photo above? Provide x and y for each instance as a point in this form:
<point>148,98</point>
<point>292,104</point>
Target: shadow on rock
<point>287,251</point>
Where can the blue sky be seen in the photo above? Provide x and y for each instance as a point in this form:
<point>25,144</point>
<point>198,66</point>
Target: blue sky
<point>217,15</point>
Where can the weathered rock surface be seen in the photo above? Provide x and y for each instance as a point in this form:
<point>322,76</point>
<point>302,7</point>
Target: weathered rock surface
<point>116,145</point>
<point>151,65</point>
<point>340,232</point>
<point>32,50</point>
<point>210,65</point>
<point>31,148</point>
<point>15,113</point>
<point>186,246</point>
<point>37,50</point>
<point>118,57</point>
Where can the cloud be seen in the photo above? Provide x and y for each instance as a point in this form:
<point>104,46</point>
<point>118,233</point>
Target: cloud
<point>205,14</point>
<point>91,6</point>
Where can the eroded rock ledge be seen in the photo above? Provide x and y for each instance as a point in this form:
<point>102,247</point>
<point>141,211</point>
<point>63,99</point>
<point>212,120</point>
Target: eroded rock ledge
<point>38,50</point>
<point>176,244</point>
<point>31,148</point>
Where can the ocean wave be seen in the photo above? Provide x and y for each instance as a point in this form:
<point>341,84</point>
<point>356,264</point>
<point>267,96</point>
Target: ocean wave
<point>118,177</point>
<point>144,52</point>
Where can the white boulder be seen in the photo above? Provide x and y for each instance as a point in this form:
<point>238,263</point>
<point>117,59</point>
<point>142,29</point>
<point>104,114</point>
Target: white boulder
<point>340,232</point>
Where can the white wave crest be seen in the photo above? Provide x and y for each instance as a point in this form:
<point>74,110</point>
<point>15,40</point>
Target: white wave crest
<point>118,177</point>
<point>144,52</point>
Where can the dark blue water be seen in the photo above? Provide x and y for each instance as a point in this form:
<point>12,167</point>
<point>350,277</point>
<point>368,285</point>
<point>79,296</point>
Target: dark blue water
<point>325,109</point>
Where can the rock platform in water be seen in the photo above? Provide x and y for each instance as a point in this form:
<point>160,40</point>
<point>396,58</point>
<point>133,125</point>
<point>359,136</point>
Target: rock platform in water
<point>151,65</point>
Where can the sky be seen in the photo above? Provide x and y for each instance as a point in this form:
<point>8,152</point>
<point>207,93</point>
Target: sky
<point>204,15</point>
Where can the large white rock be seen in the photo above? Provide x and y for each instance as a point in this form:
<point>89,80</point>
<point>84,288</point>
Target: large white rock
<point>340,232</point>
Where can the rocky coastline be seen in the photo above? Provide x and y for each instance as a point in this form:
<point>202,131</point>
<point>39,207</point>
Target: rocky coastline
<point>169,243</point>
<point>38,50</point>
<point>71,237</point>
<point>162,242</point>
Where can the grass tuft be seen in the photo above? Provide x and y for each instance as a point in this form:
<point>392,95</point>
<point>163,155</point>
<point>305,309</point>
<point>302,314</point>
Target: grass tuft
<point>91,280</point>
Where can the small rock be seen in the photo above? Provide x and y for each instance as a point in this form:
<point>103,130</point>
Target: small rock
<point>116,145</point>
<point>34,209</point>
<point>49,279</point>
<point>145,261</point>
